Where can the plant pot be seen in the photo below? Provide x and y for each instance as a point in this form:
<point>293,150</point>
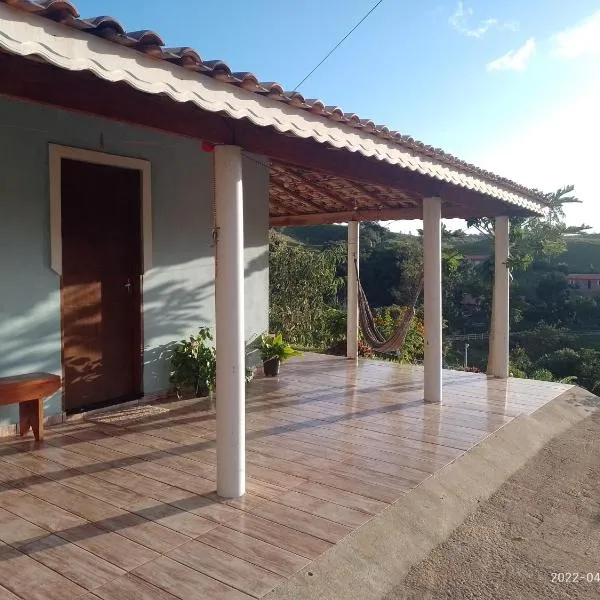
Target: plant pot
<point>271,367</point>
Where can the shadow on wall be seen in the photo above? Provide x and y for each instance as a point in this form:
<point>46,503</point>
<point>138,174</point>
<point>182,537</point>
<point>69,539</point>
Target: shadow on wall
<point>178,307</point>
<point>30,342</point>
<point>178,300</point>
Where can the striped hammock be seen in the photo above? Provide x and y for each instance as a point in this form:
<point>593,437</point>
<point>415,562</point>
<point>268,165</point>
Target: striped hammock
<point>369,328</point>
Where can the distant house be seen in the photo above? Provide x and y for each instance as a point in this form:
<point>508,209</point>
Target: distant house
<point>585,282</point>
<point>476,259</point>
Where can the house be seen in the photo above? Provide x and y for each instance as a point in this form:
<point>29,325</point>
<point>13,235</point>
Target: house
<point>137,185</point>
<point>476,259</point>
<point>584,282</point>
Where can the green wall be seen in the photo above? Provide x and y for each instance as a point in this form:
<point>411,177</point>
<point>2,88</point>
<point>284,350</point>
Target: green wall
<point>178,289</point>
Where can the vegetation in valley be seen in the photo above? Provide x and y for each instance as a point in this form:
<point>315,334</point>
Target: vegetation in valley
<point>555,330</point>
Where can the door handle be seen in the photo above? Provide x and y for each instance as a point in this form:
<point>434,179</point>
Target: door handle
<point>128,286</point>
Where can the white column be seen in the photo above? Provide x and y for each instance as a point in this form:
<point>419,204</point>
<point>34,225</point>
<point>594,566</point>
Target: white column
<point>352,300</point>
<point>229,317</point>
<point>499,335</point>
<point>432,259</point>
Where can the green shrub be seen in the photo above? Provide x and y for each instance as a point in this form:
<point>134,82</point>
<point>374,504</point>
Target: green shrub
<point>543,375</point>
<point>563,363</point>
<point>193,365</point>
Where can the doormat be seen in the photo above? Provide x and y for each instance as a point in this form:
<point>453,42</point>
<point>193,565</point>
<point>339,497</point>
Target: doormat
<point>130,415</point>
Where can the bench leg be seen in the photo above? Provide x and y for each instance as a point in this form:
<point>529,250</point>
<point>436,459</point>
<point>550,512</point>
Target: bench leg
<point>31,414</point>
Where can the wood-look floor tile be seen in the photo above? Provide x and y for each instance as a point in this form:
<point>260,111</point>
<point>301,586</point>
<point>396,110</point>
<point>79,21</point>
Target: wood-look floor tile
<point>7,595</point>
<point>65,457</point>
<point>342,497</point>
<point>80,566</point>
<point>191,467</point>
<point>16,531</point>
<point>292,517</point>
<point>184,522</point>
<point>233,571</point>
<point>130,587</point>
<point>186,583</point>
<point>31,580</point>
<point>38,512</point>
<point>143,485</point>
<point>279,535</point>
<point>255,551</point>
<point>264,489</point>
<point>76,502</point>
<point>336,476</point>
<point>114,548</point>
<point>145,532</point>
<point>108,492</point>
<point>279,478</point>
<point>173,477</point>
<point>209,507</point>
<point>322,508</point>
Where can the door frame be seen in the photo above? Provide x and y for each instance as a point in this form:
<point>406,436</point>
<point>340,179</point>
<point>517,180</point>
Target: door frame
<point>56,155</point>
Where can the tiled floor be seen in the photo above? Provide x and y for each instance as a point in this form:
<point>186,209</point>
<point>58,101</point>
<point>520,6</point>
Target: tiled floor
<point>124,507</point>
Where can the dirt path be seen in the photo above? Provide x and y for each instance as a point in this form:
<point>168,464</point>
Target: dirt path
<point>544,520</point>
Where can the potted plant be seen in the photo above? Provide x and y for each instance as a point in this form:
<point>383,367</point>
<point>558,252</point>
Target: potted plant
<point>272,351</point>
<point>193,366</point>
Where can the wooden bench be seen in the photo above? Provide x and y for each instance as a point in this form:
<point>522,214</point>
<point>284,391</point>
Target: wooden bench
<point>29,392</point>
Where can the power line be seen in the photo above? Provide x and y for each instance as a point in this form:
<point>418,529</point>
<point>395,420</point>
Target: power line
<point>340,42</point>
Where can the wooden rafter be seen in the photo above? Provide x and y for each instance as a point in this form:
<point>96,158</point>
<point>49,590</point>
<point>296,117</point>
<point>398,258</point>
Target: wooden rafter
<point>315,187</point>
<point>375,195</point>
<point>280,186</point>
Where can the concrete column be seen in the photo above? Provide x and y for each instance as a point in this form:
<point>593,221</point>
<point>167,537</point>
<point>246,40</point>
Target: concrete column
<point>229,316</point>
<point>352,300</point>
<point>432,258</point>
<point>498,363</point>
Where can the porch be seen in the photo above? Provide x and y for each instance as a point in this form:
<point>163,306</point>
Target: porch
<point>124,504</point>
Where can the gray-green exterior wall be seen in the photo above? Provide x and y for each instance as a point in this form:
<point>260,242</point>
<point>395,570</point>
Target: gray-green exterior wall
<point>178,291</point>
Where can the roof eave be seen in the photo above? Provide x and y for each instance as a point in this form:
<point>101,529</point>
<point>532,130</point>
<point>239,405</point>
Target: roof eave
<point>30,35</point>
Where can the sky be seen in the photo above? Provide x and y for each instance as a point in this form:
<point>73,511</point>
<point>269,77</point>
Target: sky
<point>512,86</point>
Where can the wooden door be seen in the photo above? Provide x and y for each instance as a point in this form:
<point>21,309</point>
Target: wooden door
<point>101,284</point>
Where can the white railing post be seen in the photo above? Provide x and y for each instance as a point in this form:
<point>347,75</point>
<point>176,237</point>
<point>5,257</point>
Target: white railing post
<point>352,292</point>
<point>432,259</point>
<point>498,363</point>
<point>229,317</point>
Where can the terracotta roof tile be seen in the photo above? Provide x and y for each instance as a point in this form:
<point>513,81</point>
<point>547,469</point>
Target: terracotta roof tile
<point>151,43</point>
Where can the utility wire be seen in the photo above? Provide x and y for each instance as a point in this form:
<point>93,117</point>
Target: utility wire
<point>340,43</point>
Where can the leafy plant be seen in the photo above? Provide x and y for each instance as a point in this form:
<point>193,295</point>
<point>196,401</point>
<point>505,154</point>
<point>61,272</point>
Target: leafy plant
<point>304,286</point>
<point>193,365</point>
<point>543,375</point>
<point>273,346</point>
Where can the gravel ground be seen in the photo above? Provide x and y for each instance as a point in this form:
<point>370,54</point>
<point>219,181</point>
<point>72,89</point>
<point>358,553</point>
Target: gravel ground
<point>537,537</point>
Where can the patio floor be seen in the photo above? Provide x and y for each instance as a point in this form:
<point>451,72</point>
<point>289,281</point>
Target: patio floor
<point>123,506</point>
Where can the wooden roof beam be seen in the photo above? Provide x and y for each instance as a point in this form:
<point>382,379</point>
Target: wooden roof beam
<point>344,217</point>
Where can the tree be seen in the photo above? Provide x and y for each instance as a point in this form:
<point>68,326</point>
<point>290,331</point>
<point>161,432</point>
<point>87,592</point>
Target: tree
<point>537,237</point>
<point>303,289</point>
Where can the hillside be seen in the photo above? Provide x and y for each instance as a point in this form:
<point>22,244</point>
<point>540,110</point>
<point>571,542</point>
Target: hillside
<point>582,255</point>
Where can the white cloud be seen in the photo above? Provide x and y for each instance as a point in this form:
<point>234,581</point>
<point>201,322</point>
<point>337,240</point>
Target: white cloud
<point>581,40</point>
<point>459,20</point>
<point>515,60</point>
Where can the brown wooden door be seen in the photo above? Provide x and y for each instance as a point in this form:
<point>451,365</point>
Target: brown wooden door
<point>101,295</point>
